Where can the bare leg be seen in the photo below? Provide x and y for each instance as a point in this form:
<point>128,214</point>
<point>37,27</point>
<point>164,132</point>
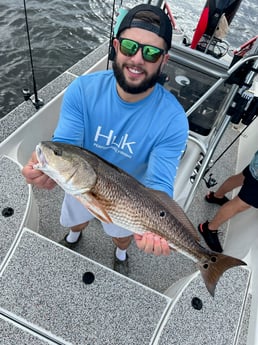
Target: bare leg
<point>121,257</point>
<point>74,235</point>
<point>227,211</point>
<point>75,232</point>
<point>79,227</point>
<point>231,183</point>
<point>122,242</point>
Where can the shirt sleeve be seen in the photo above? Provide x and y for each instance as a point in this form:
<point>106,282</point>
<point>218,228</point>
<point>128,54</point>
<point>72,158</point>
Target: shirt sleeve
<point>253,167</point>
<point>165,156</point>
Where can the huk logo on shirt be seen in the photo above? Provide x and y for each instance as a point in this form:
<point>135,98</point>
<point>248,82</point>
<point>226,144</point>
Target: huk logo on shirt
<point>108,140</point>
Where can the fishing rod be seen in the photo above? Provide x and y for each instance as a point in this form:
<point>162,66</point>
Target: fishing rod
<point>211,181</point>
<point>26,92</point>
<point>111,51</point>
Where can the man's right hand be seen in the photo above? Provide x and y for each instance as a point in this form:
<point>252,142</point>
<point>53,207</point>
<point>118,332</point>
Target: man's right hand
<point>36,177</point>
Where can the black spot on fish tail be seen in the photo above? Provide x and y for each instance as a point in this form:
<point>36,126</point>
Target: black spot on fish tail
<point>214,266</point>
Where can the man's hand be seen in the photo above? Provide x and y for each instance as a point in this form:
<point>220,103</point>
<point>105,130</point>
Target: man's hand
<point>152,243</point>
<point>36,177</point>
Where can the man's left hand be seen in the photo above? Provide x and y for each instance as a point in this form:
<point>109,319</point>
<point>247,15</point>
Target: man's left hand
<point>151,243</point>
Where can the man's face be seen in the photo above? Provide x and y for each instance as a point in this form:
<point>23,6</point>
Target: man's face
<point>133,74</point>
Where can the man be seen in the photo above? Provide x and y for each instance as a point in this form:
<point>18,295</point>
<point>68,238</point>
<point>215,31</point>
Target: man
<point>246,198</point>
<point>127,118</point>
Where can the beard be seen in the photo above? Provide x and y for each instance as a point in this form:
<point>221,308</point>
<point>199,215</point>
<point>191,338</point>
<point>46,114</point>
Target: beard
<point>142,87</point>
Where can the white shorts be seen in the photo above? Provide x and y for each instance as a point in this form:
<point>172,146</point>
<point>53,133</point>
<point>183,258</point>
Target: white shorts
<point>74,213</point>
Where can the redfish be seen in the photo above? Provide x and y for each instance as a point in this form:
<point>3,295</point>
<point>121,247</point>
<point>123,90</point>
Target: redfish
<point>113,196</point>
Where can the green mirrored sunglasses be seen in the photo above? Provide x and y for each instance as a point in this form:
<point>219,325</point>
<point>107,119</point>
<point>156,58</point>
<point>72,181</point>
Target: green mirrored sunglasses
<point>149,53</point>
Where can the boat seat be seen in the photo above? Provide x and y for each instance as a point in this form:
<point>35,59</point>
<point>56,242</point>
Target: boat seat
<point>17,206</point>
<point>198,318</point>
<point>14,333</point>
<point>45,285</point>
<point>194,152</point>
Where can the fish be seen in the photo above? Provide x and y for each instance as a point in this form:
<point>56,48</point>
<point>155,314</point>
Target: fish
<point>114,196</point>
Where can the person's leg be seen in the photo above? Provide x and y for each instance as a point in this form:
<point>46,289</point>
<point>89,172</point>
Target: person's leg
<point>219,197</point>
<point>75,232</point>
<point>246,198</point>
<point>227,211</point>
<point>76,217</point>
<point>209,230</point>
<point>121,238</point>
<point>122,244</point>
<point>229,184</point>
<point>121,264</point>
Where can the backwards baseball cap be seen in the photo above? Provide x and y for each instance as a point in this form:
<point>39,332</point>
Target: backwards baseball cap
<point>163,29</point>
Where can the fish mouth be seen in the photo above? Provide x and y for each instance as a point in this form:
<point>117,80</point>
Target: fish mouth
<point>40,157</point>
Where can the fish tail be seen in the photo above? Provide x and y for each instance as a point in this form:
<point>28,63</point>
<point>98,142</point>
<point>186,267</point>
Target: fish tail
<point>214,266</point>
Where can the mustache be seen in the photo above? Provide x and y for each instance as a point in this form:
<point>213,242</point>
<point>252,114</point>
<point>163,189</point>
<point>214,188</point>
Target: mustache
<point>146,84</point>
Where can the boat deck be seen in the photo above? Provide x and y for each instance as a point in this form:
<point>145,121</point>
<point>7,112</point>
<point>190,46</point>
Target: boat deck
<point>42,284</point>
<point>47,294</point>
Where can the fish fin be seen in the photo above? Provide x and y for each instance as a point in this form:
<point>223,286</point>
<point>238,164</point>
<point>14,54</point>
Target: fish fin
<point>94,207</point>
<point>213,268</point>
<point>177,211</point>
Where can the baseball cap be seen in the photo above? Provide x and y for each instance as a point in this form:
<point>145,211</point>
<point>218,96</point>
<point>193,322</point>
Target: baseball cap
<point>164,29</point>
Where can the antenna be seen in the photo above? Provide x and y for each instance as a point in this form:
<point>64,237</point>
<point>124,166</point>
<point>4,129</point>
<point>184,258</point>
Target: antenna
<point>26,92</point>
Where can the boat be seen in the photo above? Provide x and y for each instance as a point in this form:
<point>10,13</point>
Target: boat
<point>52,295</point>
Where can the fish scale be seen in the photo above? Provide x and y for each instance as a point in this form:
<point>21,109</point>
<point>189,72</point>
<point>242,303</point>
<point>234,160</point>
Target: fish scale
<point>113,196</point>
<point>134,222</point>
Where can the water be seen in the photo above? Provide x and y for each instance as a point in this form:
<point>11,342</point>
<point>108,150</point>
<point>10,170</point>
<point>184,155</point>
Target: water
<point>63,31</point>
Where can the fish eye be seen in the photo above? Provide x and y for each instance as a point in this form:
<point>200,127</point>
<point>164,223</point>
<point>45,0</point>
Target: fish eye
<point>162,214</point>
<point>58,152</point>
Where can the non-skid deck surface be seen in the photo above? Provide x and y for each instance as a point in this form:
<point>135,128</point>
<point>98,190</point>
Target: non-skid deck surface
<point>198,318</point>
<point>13,202</point>
<point>42,286</point>
<point>12,334</point>
<point>42,290</point>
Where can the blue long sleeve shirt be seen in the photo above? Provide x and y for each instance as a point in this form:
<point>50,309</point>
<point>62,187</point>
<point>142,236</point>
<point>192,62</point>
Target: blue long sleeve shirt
<point>145,138</point>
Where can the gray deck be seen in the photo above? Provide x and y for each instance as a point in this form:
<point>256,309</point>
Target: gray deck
<point>13,197</point>
<point>49,296</point>
<point>42,287</point>
<point>13,333</point>
<point>217,321</point>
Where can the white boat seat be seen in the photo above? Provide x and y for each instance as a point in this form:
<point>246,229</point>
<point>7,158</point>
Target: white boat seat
<point>17,206</point>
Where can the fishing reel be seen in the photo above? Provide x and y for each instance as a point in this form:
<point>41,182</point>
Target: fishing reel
<point>37,102</point>
<point>211,182</point>
<point>26,94</point>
